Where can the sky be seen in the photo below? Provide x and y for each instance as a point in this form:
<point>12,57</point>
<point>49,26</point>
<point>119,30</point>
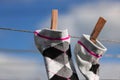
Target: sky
<point>78,16</point>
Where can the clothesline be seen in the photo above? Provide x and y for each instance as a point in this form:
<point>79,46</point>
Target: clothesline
<point>11,29</point>
<point>76,37</point>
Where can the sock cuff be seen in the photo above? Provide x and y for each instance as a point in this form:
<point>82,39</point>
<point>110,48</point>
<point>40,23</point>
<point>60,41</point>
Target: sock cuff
<point>96,50</point>
<point>46,38</point>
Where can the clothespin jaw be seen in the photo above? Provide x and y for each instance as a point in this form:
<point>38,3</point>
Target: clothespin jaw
<point>54,19</point>
<point>98,27</point>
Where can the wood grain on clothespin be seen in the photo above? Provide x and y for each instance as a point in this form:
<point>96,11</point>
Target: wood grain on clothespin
<point>54,19</point>
<point>98,27</point>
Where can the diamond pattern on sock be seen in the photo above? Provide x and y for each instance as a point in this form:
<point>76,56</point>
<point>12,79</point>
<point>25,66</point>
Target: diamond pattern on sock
<point>59,65</point>
<point>55,52</point>
<point>94,68</point>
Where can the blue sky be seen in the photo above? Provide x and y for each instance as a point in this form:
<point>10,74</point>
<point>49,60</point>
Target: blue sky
<point>78,16</point>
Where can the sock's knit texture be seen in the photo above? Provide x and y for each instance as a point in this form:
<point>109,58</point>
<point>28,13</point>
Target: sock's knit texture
<point>55,48</point>
<point>87,56</point>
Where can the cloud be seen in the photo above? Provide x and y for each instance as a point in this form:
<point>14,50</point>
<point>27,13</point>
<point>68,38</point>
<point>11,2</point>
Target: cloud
<point>110,72</point>
<point>82,19</point>
<point>20,69</point>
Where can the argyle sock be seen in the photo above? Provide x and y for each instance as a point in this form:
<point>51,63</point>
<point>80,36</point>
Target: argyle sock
<point>87,57</point>
<point>55,48</point>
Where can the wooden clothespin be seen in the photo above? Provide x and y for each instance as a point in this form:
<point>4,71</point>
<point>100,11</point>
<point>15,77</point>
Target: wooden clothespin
<point>98,27</point>
<point>54,19</point>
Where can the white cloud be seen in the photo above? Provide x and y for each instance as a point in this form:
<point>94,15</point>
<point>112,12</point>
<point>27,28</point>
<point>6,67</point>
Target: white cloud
<point>110,71</point>
<point>20,69</point>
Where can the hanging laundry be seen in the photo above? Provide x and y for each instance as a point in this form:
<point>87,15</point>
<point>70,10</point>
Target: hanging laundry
<point>55,48</point>
<point>87,57</point>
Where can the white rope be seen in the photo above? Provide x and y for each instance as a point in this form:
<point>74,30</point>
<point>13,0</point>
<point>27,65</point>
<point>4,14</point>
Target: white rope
<point>10,29</point>
<point>76,37</point>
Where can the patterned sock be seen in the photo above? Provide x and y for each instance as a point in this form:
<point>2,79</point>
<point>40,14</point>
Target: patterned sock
<point>87,56</point>
<point>55,48</point>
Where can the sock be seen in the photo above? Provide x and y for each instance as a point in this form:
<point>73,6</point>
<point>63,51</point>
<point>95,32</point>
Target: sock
<point>55,48</point>
<point>87,57</point>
